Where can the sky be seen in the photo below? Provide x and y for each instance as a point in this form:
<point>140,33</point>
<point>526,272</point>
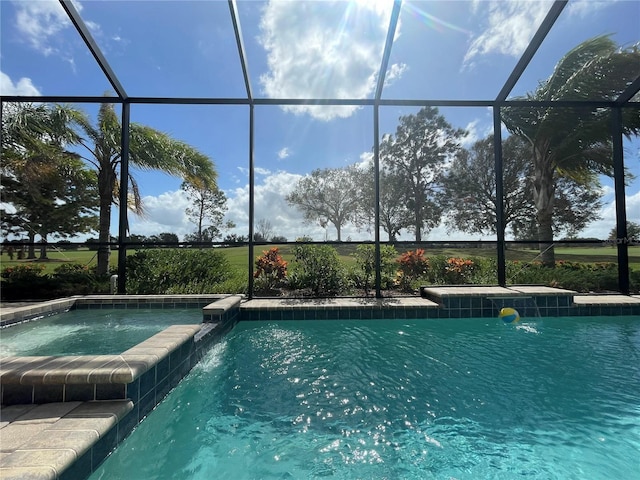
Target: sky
<point>455,50</point>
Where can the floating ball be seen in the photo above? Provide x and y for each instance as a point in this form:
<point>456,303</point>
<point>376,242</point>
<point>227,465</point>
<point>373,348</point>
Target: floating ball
<point>509,315</point>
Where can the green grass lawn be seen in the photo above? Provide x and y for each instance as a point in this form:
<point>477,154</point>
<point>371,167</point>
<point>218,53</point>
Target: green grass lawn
<point>580,254</point>
<point>238,255</point>
<point>56,258</point>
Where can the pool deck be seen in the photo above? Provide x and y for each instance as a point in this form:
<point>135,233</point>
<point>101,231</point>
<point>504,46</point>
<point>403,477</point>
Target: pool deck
<point>64,440</point>
<point>57,440</point>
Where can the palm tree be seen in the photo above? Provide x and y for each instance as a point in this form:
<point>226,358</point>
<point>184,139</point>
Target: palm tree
<point>34,130</point>
<point>37,167</point>
<point>574,142</point>
<point>149,149</point>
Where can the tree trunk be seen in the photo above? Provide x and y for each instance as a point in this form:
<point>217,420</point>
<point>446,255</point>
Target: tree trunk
<point>545,244</point>
<point>43,248</point>
<point>418,222</point>
<point>106,180</point>
<point>544,197</point>
<point>31,250</point>
<point>418,213</point>
<point>338,231</point>
<point>200,219</point>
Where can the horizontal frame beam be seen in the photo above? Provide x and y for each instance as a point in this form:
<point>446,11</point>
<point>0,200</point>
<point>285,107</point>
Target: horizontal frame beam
<point>368,102</point>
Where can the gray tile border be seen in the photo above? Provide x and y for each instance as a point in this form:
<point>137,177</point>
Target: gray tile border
<point>48,379</point>
<point>611,300</point>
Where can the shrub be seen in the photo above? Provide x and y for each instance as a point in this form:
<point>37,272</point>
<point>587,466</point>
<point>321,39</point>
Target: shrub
<point>74,279</point>
<point>363,273</point>
<point>27,281</point>
<point>271,270</point>
<point>459,270</point>
<point>236,283</point>
<point>581,277</point>
<point>413,266</point>
<point>436,270</point>
<point>23,273</point>
<point>317,268</point>
<point>485,271</point>
<point>176,270</point>
<point>634,280</point>
<point>72,273</point>
<point>442,270</point>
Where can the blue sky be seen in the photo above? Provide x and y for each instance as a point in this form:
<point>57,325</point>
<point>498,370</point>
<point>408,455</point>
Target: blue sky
<point>461,50</point>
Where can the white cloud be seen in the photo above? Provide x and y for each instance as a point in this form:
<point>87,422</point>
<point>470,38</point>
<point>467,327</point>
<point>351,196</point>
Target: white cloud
<point>283,153</point>
<point>271,205</point>
<point>261,171</point>
<point>601,228</point>
<point>366,158</point>
<point>94,27</point>
<point>509,27</point>
<point>24,86</point>
<point>395,71</point>
<point>477,129</point>
<point>40,21</point>
<point>163,213</point>
<point>472,135</point>
<point>584,8</point>
<point>324,50</point>
<point>41,24</point>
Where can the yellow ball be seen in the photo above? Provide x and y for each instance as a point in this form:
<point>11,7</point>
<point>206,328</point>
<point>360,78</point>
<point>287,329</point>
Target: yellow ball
<point>509,315</point>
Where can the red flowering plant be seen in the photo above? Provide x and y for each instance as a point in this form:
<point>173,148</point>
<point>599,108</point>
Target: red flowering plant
<point>271,270</point>
<point>413,265</point>
<point>23,272</point>
<point>459,270</point>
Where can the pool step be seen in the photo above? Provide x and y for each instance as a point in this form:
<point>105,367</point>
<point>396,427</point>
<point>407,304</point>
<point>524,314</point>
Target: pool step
<point>467,301</point>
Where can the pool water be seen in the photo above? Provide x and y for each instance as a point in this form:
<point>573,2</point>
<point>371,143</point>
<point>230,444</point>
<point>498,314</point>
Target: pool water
<point>424,399</point>
<point>91,332</point>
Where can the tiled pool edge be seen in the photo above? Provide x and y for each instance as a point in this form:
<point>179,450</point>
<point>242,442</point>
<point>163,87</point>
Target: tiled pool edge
<point>450,303</point>
<point>444,303</point>
<point>10,316</point>
<point>483,302</point>
<point>154,367</point>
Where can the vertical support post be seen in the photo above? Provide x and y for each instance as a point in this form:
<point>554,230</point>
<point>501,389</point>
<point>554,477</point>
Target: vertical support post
<point>621,207</point>
<point>376,183</point>
<point>497,151</point>
<point>124,193</point>
<point>251,197</point>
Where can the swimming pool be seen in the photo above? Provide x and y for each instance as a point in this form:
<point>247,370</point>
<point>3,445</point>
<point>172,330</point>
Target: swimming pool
<point>91,332</point>
<point>406,399</point>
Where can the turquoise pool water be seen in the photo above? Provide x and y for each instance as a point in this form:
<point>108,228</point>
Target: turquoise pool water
<point>91,332</point>
<point>428,399</point>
